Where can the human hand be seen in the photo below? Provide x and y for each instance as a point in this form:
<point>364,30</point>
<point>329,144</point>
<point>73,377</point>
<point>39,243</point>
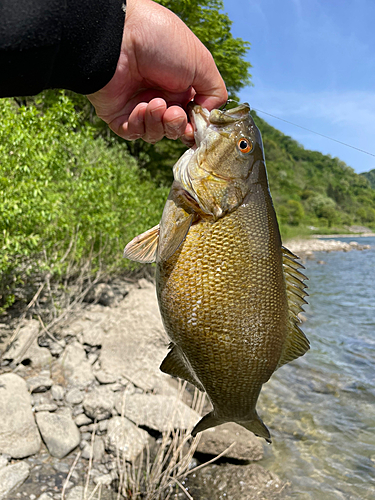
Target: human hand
<point>162,66</point>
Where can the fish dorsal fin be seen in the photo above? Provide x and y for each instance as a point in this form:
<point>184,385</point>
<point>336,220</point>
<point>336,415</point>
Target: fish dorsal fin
<point>296,343</point>
<point>174,226</point>
<point>143,247</point>
<point>175,365</point>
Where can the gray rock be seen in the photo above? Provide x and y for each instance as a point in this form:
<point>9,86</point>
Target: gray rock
<point>77,370</point>
<point>57,392</point>
<point>158,412</point>
<point>26,347</point>
<point>249,482</point>
<point>92,357</point>
<point>104,377</point>
<point>41,383</point>
<point>99,403</point>
<point>82,419</point>
<point>96,450</point>
<point>135,343</point>
<point>125,437</point>
<point>216,439</point>
<point>12,476</point>
<point>4,459</point>
<point>45,496</point>
<point>105,479</point>
<point>102,294</point>
<point>45,407</point>
<point>74,396</point>
<point>19,436</point>
<point>56,348</point>
<point>59,432</point>
<point>78,493</point>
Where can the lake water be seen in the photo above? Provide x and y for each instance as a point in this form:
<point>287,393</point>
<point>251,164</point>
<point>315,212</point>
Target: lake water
<point>320,409</point>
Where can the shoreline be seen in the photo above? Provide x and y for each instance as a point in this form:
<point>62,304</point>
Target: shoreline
<point>306,248</point>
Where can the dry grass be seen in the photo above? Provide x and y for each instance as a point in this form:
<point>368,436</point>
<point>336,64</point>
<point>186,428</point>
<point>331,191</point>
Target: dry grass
<point>156,477</point>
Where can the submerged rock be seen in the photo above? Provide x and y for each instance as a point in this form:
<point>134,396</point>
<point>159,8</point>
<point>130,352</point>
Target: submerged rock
<point>19,436</point>
<point>227,481</point>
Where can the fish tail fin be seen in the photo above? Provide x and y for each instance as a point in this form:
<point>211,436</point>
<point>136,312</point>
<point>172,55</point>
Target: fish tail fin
<point>257,426</point>
<point>206,422</point>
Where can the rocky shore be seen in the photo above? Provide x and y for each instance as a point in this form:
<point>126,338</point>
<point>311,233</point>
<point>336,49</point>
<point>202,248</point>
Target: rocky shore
<point>306,248</point>
<point>86,411</point>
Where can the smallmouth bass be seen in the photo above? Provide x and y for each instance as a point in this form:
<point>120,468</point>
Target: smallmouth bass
<point>229,292</point>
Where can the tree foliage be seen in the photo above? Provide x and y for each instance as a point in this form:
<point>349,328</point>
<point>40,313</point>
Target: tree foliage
<point>310,188</point>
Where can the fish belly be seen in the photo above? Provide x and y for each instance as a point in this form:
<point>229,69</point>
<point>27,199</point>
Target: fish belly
<point>223,301</point>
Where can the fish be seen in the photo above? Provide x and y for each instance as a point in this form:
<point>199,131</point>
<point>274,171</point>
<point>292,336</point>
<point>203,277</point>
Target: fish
<point>229,292</point>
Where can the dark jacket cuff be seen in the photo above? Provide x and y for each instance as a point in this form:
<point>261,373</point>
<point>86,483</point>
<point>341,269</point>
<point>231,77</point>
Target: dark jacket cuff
<point>73,45</point>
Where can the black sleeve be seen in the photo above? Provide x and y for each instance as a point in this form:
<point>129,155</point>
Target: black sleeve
<point>69,44</point>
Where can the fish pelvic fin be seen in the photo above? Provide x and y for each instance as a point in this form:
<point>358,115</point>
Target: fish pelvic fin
<point>296,343</point>
<point>143,247</point>
<point>175,365</point>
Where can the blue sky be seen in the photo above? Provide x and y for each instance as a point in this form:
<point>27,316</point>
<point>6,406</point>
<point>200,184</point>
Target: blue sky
<point>314,65</point>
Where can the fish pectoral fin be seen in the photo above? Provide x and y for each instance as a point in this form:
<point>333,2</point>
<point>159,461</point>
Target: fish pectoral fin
<point>143,247</point>
<point>174,229</point>
<point>174,365</point>
<point>296,343</point>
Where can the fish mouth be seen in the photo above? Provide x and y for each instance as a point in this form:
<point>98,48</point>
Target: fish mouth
<point>202,119</point>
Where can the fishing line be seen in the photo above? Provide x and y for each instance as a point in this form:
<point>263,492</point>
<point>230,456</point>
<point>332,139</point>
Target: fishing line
<point>313,132</point>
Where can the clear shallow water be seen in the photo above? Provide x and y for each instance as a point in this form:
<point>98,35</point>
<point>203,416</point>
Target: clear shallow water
<point>320,409</point>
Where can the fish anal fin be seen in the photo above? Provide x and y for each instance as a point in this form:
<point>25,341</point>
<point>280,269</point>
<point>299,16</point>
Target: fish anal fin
<point>296,344</point>
<point>174,365</point>
<point>143,247</point>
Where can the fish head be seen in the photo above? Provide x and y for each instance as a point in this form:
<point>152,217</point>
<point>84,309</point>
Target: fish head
<point>216,171</point>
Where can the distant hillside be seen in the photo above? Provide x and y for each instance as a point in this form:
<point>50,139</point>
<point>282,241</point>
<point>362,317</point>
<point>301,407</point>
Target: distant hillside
<point>370,176</point>
<point>309,188</point>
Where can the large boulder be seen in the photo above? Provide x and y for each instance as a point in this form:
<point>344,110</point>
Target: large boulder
<point>157,412</point>
<point>19,436</point>
<point>215,440</point>
<point>135,343</point>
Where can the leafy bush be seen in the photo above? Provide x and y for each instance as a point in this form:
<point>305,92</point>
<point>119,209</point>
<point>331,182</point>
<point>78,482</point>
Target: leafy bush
<point>61,188</point>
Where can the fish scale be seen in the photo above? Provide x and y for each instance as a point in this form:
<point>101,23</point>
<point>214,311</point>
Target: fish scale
<point>229,293</point>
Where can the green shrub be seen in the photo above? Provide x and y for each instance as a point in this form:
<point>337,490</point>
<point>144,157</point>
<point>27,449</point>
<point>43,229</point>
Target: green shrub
<point>61,188</point>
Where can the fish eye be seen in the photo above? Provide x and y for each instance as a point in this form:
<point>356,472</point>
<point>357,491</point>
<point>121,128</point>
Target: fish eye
<point>244,145</point>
